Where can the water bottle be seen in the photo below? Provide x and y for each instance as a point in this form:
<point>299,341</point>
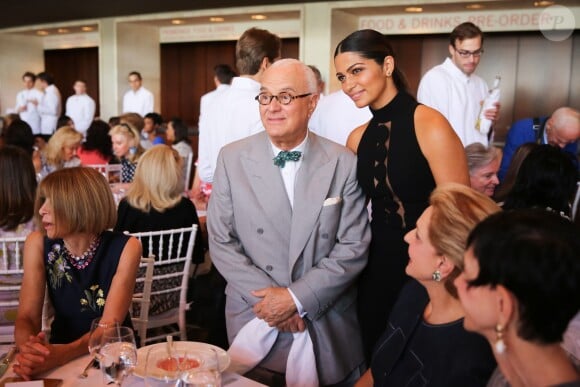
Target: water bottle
<point>483,124</point>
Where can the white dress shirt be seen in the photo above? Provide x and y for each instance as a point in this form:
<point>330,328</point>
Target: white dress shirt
<point>49,108</point>
<point>140,101</point>
<point>81,109</point>
<point>336,115</point>
<point>207,99</point>
<point>230,116</point>
<point>30,115</point>
<point>457,96</point>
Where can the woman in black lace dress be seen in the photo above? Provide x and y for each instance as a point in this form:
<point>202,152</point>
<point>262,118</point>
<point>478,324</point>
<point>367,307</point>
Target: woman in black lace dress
<point>403,153</point>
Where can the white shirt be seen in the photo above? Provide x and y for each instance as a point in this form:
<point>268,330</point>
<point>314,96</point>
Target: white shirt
<point>230,116</point>
<point>457,96</point>
<point>30,115</point>
<point>81,109</point>
<point>207,99</point>
<point>49,108</point>
<point>336,115</point>
<point>140,101</point>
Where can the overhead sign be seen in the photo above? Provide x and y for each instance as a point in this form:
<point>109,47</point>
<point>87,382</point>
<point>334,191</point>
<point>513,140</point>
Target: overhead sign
<point>502,20</point>
<point>82,39</point>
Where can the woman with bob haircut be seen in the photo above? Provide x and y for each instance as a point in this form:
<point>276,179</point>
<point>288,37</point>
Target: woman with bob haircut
<point>89,272</point>
<point>424,342</point>
<point>127,149</point>
<point>61,151</point>
<point>519,289</point>
<point>403,153</point>
<point>155,202</point>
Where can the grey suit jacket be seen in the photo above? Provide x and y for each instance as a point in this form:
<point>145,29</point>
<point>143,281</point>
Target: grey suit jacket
<point>258,240</point>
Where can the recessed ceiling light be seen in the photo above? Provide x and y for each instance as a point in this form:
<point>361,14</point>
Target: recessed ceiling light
<point>63,30</point>
<point>42,33</point>
<point>413,9</point>
<point>259,17</point>
<point>474,6</point>
<point>87,28</point>
<point>216,19</point>
<point>177,21</point>
<point>543,3</point>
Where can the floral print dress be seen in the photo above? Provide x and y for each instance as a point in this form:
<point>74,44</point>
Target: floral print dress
<point>77,294</point>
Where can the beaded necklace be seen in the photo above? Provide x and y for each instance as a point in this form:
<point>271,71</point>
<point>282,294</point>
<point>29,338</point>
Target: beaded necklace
<point>84,260</point>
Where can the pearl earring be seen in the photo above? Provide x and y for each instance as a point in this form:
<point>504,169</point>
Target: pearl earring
<point>499,344</point>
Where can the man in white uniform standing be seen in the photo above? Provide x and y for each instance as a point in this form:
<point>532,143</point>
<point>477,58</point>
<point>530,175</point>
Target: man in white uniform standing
<point>49,106</point>
<point>26,101</point>
<point>80,107</point>
<point>138,99</point>
<point>454,90</point>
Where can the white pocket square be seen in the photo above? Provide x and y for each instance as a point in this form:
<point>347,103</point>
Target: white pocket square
<point>332,201</point>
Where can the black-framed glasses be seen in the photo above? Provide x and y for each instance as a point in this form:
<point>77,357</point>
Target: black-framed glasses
<point>283,98</point>
<point>467,53</point>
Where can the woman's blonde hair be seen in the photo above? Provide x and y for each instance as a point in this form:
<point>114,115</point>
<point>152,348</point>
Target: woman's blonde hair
<point>81,199</point>
<point>128,131</point>
<point>456,210</point>
<point>158,181</point>
<point>64,136</point>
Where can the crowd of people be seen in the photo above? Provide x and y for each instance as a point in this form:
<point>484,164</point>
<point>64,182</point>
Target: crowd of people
<point>394,247</point>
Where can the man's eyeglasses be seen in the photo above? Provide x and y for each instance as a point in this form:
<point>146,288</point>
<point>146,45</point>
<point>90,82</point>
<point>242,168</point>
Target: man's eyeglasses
<point>283,98</point>
<point>467,53</point>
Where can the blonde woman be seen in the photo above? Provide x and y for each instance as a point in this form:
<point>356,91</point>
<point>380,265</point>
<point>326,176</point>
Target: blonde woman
<point>424,342</point>
<point>127,149</point>
<point>61,151</point>
<point>89,272</point>
<point>155,202</point>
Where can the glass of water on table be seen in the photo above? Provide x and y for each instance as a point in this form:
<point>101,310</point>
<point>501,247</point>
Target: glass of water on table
<point>118,354</point>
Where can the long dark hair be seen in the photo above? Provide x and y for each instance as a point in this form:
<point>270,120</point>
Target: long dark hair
<point>371,44</point>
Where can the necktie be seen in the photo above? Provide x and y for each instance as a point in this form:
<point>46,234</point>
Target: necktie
<point>283,156</point>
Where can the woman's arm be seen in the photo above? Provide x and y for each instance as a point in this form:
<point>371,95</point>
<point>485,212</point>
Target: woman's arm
<point>441,147</point>
<point>36,355</point>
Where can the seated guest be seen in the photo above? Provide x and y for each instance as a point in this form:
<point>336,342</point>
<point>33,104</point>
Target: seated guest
<point>98,147</point>
<point>151,134</point>
<point>519,288</point>
<point>127,149</point>
<point>546,179</point>
<point>483,165</point>
<point>89,272</point>
<point>61,151</point>
<point>506,185</point>
<point>155,202</point>
<point>19,133</point>
<point>177,136</point>
<point>425,340</point>
<point>561,129</point>
<point>65,121</point>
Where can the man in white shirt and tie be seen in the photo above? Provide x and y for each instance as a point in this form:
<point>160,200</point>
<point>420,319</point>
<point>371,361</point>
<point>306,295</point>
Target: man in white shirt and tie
<point>138,99</point>
<point>26,101</point>
<point>80,107</point>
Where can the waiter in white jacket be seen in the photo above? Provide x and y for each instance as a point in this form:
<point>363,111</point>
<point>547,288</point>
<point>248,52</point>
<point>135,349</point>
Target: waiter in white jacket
<point>49,106</point>
<point>80,107</point>
<point>26,101</point>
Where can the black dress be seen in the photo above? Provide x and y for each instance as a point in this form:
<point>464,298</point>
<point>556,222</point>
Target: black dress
<point>412,352</point>
<point>79,295</point>
<point>396,177</point>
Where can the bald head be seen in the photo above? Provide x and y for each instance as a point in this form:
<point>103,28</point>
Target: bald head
<point>563,127</point>
<point>286,121</point>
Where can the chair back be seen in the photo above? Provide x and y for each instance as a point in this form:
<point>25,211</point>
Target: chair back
<point>172,251</point>
<point>141,298</point>
<point>11,269</point>
<point>187,167</point>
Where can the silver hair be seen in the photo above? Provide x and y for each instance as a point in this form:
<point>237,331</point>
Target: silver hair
<point>311,81</point>
<point>478,156</point>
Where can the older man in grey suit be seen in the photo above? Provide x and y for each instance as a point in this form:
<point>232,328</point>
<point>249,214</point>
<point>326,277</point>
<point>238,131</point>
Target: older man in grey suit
<point>290,233</point>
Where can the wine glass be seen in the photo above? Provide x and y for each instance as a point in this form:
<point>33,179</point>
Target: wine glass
<point>163,366</point>
<point>96,334</point>
<point>206,375</point>
<point>118,354</point>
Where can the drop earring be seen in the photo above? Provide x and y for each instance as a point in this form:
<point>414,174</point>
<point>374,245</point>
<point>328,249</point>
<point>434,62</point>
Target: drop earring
<point>499,345</point>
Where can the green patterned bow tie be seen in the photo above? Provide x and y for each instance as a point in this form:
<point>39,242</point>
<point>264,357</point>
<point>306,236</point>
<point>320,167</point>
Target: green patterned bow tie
<point>283,156</point>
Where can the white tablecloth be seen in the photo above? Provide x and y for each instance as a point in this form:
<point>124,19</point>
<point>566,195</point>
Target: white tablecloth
<point>69,373</point>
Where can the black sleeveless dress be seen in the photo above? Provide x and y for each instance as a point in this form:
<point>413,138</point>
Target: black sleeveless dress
<point>396,177</point>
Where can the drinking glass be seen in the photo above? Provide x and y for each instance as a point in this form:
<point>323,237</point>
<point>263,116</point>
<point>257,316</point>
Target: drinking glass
<point>118,354</point>
<point>96,334</point>
<point>162,367</point>
<point>207,374</point>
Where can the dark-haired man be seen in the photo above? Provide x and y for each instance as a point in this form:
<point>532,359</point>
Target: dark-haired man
<point>25,102</point>
<point>49,106</point>
<point>454,90</point>
<point>137,100</point>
